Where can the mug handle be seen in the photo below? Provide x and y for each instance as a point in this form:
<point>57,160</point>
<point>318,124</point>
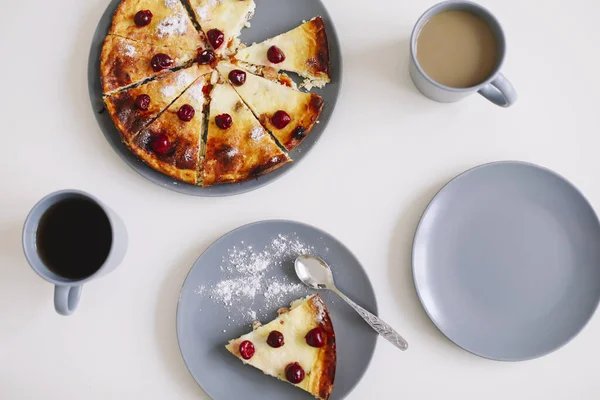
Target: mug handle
<point>500,92</point>
<point>66,299</point>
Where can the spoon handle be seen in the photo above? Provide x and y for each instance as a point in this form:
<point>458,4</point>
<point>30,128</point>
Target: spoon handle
<point>377,324</point>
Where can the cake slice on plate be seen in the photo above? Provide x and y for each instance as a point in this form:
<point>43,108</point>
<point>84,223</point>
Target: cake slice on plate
<point>132,109</point>
<point>297,347</point>
<point>172,143</point>
<point>162,22</point>
<point>288,113</point>
<point>222,21</point>
<point>303,50</point>
<point>125,62</point>
<point>237,147</point>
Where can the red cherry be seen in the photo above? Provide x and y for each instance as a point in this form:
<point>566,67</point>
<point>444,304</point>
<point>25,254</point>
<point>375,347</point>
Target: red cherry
<point>246,349</point>
<point>275,55</point>
<point>216,38</point>
<point>143,18</point>
<point>161,61</point>
<point>186,113</point>
<point>142,102</point>
<point>275,339</point>
<point>206,57</point>
<point>294,373</point>
<point>160,144</point>
<point>314,338</point>
<point>237,77</point>
<point>223,121</point>
<point>280,119</point>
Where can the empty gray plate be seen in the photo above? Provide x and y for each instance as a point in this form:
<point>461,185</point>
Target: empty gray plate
<point>205,324</point>
<point>506,261</point>
<point>272,17</point>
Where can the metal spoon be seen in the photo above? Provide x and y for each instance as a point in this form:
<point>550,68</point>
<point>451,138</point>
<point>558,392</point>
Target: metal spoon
<point>316,274</point>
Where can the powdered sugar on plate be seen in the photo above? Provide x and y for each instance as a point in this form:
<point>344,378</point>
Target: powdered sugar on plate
<point>248,274</point>
<point>174,24</point>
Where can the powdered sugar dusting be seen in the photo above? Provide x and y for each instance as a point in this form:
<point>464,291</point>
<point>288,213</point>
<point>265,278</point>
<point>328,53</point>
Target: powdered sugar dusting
<point>195,93</point>
<point>320,309</point>
<point>171,3</point>
<point>232,152</point>
<point>184,80</point>
<point>174,24</point>
<point>202,12</point>
<point>257,133</point>
<point>129,50</point>
<point>168,91</point>
<point>250,273</point>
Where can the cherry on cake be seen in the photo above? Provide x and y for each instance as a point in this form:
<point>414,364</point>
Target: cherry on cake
<point>288,113</point>
<point>303,50</point>
<point>297,347</point>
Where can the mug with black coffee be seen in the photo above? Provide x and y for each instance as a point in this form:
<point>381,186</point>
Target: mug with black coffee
<point>70,238</point>
<point>457,49</point>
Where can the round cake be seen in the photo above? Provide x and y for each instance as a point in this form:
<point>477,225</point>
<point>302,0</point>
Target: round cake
<point>194,103</point>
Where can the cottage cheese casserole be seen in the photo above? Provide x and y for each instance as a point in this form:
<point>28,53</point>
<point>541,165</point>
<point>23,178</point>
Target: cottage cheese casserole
<point>196,104</point>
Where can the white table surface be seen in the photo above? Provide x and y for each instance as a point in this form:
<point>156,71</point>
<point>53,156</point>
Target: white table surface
<point>385,154</point>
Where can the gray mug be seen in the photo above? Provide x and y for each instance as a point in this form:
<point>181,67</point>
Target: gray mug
<point>67,291</point>
<point>496,88</point>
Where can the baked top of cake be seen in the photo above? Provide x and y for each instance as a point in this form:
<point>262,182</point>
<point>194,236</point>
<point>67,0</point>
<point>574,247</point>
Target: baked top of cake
<point>297,347</point>
<point>163,22</point>
<point>287,113</point>
<point>132,109</point>
<point>225,16</point>
<point>238,148</point>
<point>172,143</point>
<point>126,62</point>
<point>303,50</point>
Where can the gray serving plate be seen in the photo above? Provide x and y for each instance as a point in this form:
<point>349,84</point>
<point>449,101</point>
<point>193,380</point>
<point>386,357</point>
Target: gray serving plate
<point>203,326</point>
<point>506,261</point>
<point>272,17</point>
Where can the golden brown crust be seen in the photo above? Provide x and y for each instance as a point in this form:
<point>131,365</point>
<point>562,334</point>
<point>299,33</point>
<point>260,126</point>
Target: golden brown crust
<point>129,119</point>
<point>170,26</point>
<point>242,152</point>
<point>324,368</point>
<point>126,62</point>
<point>182,160</point>
<point>319,60</point>
<point>307,53</point>
<point>305,119</point>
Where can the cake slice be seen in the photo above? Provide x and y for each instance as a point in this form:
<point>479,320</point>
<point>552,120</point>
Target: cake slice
<point>303,50</point>
<point>125,62</point>
<point>297,347</point>
<point>162,22</point>
<point>172,143</point>
<point>222,21</point>
<point>288,113</point>
<point>237,147</point>
<point>132,109</point>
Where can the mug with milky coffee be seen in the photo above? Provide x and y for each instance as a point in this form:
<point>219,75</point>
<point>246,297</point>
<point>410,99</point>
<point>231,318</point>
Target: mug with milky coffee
<point>457,49</point>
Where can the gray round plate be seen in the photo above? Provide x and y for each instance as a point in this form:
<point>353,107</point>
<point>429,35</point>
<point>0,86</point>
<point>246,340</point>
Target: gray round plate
<point>272,17</point>
<point>203,326</point>
<point>506,261</point>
